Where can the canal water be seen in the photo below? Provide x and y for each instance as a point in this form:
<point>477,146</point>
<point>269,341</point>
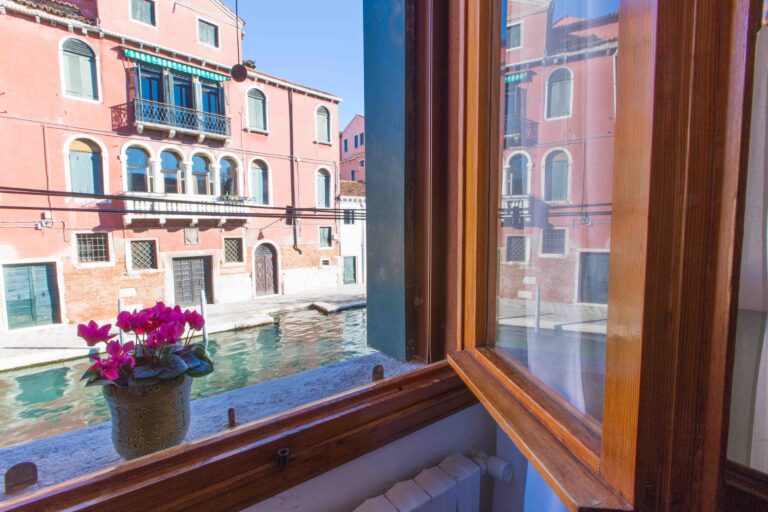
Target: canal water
<point>47,400</point>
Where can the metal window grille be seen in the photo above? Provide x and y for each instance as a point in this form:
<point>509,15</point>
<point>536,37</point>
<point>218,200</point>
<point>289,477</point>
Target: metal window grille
<point>143,255</point>
<point>92,247</point>
<point>553,241</point>
<point>349,216</point>
<point>325,237</point>
<point>516,249</point>
<point>233,250</point>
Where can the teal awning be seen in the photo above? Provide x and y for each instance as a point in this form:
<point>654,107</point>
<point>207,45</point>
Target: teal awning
<point>176,66</point>
<point>516,77</point>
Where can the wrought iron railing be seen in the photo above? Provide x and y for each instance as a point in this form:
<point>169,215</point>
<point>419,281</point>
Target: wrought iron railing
<point>162,114</point>
<point>520,132</point>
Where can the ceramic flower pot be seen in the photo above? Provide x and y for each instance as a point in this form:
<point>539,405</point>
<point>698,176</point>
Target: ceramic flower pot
<point>146,419</point>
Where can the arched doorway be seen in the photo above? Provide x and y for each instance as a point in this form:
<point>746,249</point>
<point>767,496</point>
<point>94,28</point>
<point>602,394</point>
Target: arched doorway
<point>265,270</point>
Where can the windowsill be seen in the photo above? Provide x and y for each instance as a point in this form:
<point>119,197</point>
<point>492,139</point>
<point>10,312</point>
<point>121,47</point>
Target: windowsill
<point>254,130</point>
<point>84,100</point>
<point>282,412</point>
<point>553,256</point>
<point>143,23</point>
<point>102,264</point>
<point>511,402</point>
<point>233,264</point>
<point>323,143</point>
<point>558,118</point>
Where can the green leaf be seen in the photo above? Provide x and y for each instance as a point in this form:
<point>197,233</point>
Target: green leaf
<point>99,382</point>
<point>191,359</point>
<point>171,366</point>
<point>202,370</point>
<point>199,350</point>
<point>89,374</point>
<point>146,372</point>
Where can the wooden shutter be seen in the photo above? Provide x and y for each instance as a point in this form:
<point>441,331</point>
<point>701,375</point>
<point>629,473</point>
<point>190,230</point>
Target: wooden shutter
<point>323,125</point>
<point>79,64</point>
<point>257,112</point>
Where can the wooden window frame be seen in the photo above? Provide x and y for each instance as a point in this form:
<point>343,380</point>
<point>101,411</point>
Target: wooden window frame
<point>674,247</point>
<point>448,110</point>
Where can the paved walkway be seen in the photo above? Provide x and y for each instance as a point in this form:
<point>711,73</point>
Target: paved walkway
<point>568,317</point>
<point>20,348</point>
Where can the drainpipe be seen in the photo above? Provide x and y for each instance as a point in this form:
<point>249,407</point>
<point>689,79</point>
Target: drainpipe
<point>294,220</point>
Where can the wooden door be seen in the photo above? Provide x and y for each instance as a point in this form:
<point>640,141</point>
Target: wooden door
<point>593,277</point>
<point>190,276</point>
<point>265,270</point>
<point>31,295</point>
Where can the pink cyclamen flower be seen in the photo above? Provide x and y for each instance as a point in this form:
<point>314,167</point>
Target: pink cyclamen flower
<point>121,353</point>
<point>195,320</point>
<point>171,331</point>
<point>125,321</point>
<point>93,334</point>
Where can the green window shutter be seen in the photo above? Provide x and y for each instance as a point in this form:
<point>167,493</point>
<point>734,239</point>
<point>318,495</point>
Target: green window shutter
<point>85,172</point>
<point>72,75</point>
<point>556,177</point>
<point>560,90</point>
<point>323,190</point>
<point>323,125</point>
<point>257,111</point>
<point>79,63</point>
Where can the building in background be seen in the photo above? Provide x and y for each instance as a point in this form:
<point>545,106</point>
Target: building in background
<point>558,154</point>
<point>103,103</point>
<point>352,150</point>
<point>352,232</point>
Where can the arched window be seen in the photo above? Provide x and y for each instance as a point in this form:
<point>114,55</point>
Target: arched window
<point>257,110</point>
<point>556,176</point>
<point>228,177</point>
<point>517,176</point>
<point>559,93</point>
<point>202,179</point>
<point>323,118</point>
<point>260,182</point>
<point>85,167</point>
<point>323,188</point>
<point>79,64</point>
<point>137,167</point>
<point>173,176</point>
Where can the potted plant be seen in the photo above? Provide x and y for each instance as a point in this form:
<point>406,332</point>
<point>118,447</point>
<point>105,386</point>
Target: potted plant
<point>146,381</point>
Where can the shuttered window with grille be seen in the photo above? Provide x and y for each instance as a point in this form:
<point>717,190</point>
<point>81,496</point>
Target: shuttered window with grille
<point>92,248</point>
<point>143,255</point>
<point>233,250</point>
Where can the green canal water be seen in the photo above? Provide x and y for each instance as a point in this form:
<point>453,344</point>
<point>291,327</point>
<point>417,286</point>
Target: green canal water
<point>48,400</point>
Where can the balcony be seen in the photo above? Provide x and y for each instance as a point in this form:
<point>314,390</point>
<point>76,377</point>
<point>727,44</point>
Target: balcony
<point>520,132</point>
<point>191,209</point>
<point>524,211</point>
<point>173,119</point>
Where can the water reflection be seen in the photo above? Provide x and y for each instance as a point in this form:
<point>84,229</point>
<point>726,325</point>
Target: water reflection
<point>49,400</point>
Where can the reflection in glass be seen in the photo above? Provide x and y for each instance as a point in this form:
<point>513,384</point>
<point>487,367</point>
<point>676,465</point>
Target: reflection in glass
<point>555,195</point>
<point>748,427</point>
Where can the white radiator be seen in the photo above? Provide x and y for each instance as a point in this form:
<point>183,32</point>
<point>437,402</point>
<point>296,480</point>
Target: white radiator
<point>451,486</point>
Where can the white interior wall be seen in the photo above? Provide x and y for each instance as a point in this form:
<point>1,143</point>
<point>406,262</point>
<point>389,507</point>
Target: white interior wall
<point>347,486</point>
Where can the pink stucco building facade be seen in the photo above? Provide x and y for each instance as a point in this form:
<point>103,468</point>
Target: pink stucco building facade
<point>352,150</point>
<point>557,171</point>
<point>164,177</point>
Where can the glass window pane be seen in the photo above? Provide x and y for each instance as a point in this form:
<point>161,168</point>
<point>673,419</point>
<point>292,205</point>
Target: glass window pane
<point>552,286</point>
<point>748,425</point>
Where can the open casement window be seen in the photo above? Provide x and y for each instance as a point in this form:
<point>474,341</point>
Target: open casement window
<point>603,353</point>
<point>649,369</point>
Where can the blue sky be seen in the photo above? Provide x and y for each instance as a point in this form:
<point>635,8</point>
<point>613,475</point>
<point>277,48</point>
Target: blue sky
<point>585,8</point>
<point>315,43</point>
<point>320,43</point>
